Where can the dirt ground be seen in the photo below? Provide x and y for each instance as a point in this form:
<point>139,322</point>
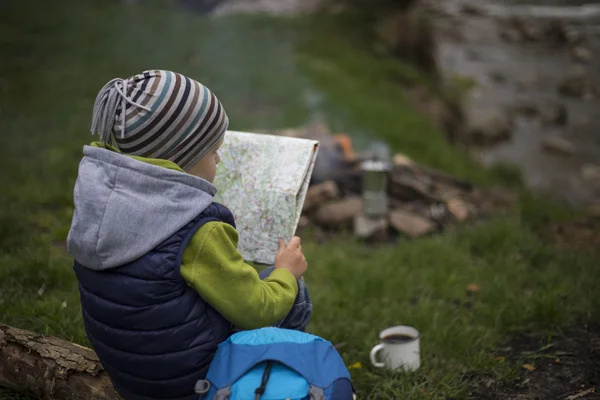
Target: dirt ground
<point>582,234</point>
<point>564,368</point>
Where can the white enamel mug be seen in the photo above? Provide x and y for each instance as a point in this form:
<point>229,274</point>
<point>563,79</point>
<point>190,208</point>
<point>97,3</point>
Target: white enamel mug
<point>399,349</point>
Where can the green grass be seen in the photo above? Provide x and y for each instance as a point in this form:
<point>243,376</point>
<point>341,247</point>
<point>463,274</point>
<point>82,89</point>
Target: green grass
<point>272,73</point>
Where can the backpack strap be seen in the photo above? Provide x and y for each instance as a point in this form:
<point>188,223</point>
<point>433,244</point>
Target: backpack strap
<point>264,380</point>
<point>316,393</point>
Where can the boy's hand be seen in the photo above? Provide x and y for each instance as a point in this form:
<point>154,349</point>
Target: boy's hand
<point>291,258</point>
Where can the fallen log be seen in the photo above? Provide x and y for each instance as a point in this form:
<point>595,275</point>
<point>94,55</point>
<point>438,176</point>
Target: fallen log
<point>410,188</point>
<point>46,367</point>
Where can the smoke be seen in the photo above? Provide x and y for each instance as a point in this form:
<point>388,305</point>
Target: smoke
<point>379,150</point>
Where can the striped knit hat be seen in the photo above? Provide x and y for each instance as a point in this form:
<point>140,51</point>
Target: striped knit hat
<point>160,114</point>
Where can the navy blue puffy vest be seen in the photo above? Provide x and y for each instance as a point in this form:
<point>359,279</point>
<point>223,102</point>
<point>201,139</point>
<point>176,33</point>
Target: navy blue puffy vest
<point>154,335</point>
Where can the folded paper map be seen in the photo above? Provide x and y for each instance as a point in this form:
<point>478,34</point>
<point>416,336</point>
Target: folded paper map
<point>263,180</point>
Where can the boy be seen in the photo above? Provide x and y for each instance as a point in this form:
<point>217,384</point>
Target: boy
<point>161,280</point>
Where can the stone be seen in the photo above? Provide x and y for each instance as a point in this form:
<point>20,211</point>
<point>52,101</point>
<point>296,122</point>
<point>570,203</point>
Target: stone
<point>518,30</point>
<point>400,160</point>
<point>590,172</point>
<point>521,85</point>
<point>594,210</point>
<point>320,193</point>
<point>582,54</point>
<point>526,108</point>
<point>273,7</point>
<point>532,31</point>
<point>471,9</point>
<point>370,228</point>
<point>554,32</point>
<point>561,33</point>
<point>406,34</point>
<point>473,55</point>
<point>340,212</point>
<point>487,126</point>
<point>411,224</point>
<point>498,76</point>
<point>303,222</point>
<point>554,114</point>
<point>571,35</point>
<point>559,146</point>
<point>511,34</point>
<point>458,209</point>
<point>577,83</point>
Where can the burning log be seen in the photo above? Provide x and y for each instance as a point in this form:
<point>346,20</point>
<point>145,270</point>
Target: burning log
<point>50,368</point>
<point>420,201</point>
<point>379,197</point>
<point>349,181</point>
<point>409,188</point>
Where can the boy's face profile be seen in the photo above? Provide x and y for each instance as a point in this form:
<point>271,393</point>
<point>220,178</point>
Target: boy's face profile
<point>206,167</point>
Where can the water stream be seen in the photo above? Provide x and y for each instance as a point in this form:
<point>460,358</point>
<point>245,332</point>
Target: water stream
<point>523,76</point>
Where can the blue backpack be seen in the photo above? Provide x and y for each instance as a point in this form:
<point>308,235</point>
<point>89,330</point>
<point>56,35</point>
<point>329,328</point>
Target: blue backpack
<point>276,364</point>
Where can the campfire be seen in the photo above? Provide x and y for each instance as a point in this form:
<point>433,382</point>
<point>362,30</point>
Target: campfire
<point>379,197</point>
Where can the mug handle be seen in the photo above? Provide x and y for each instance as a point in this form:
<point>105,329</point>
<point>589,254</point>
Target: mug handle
<point>373,356</point>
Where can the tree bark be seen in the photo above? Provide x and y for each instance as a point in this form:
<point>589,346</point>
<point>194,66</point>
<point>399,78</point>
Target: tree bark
<point>50,368</point>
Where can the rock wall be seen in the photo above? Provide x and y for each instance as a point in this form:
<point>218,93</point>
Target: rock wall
<point>275,7</point>
<point>532,74</point>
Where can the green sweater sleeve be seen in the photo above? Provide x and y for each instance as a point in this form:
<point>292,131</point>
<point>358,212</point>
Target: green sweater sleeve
<point>214,267</point>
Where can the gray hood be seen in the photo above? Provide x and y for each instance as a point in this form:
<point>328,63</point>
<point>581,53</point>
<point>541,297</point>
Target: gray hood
<point>124,207</point>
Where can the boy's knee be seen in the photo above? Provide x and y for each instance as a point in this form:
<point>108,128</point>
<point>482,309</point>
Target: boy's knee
<point>301,312</point>
<point>299,316</point>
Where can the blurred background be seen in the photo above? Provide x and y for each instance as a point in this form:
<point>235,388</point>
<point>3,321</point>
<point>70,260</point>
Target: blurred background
<point>498,93</point>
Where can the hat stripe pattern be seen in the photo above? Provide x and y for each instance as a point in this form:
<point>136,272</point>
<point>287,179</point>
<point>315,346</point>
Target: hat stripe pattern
<point>177,120</point>
<point>156,102</point>
<point>216,123</point>
<point>153,128</point>
<point>207,116</point>
<point>160,114</point>
<point>132,114</point>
